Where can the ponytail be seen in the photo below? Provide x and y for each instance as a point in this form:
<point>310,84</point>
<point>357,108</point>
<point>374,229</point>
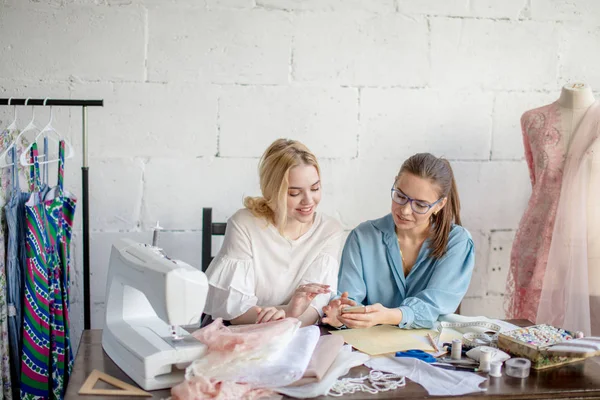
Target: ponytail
<point>439,172</point>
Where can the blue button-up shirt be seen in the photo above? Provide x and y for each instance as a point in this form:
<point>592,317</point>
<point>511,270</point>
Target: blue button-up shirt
<point>371,272</point>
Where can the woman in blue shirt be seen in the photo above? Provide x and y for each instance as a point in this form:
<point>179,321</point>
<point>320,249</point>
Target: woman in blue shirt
<point>412,265</point>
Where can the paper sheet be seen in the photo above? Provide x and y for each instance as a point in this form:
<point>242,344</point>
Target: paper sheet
<point>384,339</point>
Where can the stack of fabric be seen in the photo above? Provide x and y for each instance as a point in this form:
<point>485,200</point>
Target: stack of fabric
<point>256,361</point>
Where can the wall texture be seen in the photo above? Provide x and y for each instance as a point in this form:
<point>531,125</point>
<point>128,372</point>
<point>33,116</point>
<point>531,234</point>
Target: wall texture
<point>196,89</point>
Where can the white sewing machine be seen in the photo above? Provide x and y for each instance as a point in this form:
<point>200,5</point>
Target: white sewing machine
<point>148,297</point>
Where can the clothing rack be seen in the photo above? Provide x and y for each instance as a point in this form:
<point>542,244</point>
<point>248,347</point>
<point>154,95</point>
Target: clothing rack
<point>84,104</point>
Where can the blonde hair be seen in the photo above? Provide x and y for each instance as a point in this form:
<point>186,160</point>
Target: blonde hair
<point>273,170</point>
<point>439,172</point>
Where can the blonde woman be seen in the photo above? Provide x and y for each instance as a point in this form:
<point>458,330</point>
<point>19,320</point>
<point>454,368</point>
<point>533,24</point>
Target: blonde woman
<point>279,256</point>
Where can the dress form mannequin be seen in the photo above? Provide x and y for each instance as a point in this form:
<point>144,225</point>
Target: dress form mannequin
<point>574,101</point>
<point>548,134</point>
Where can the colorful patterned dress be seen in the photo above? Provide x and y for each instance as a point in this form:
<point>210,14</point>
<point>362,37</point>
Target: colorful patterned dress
<point>60,209</point>
<point>47,358</point>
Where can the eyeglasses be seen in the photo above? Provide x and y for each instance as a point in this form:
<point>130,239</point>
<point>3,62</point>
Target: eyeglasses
<point>418,206</point>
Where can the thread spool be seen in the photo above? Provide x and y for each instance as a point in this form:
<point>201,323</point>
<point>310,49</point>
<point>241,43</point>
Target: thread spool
<point>456,353</point>
<point>496,369</point>
<point>485,359</point>
<point>517,367</point>
<point>157,228</point>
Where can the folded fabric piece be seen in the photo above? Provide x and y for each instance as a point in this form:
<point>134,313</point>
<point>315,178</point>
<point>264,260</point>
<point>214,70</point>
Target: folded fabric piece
<point>344,361</point>
<point>200,387</point>
<point>497,355</point>
<point>322,358</point>
<point>236,348</point>
<point>283,367</point>
<point>437,381</point>
<point>267,356</point>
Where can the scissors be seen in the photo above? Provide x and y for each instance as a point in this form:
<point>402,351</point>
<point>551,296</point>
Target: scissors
<point>419,354</point>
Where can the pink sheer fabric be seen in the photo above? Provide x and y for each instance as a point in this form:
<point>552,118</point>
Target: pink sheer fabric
<point>232,347</point>
<point>209,388</point>
<point>545,155</point>
<point>235,339</point>
<point>564,299</point>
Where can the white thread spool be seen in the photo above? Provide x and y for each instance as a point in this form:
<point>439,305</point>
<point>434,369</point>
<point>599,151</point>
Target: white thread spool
<point>485,359</point>
<point>157,228</point>
<point>456,353</point>
<point>496,369</point>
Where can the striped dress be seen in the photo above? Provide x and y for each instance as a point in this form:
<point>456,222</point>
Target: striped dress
<point>47,359</point>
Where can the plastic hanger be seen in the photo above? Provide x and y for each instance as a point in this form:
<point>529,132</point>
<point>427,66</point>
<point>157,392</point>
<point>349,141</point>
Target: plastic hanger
<point>13,126</point>
<point>45,130</point>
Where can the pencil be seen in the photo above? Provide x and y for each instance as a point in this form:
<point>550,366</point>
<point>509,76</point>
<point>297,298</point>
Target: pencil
<point>435,346</point>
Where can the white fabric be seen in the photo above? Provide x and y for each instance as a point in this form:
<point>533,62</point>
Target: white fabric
<point>437,381</point>
<point>284,366</point>
<point>345,360</point>
<point>258,266</point>
<point>228,364</point>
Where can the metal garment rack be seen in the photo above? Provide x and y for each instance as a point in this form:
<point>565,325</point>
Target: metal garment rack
<point>84,104</point>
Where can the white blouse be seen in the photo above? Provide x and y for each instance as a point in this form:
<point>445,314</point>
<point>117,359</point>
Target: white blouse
<point>258,266</point>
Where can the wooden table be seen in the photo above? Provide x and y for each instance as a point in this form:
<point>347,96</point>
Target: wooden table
<point>578,380</point>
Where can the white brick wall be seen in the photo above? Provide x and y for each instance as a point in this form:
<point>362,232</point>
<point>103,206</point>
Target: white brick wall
<point>511,9</point>
<point>507,139</point>
<point>92,43</point>
<point>196,89</point>
<point>556,10</point>
<point>151,119</point>
<point>359,49</point>
<point>229,46</point>
<point>325,119</point>
<point>493,54</point>
<point>397,123</point>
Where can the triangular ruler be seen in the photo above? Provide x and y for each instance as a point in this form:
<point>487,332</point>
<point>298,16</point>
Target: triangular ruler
<point>125,389</point>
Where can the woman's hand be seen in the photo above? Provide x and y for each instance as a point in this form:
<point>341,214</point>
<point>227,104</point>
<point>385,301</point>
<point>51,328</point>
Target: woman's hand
<point>302,297</point>
<point>333,310</point>
<point>266,314</point>
<point>375,314</point>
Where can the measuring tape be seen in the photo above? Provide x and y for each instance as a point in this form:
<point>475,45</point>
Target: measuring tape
<point>474,339</point>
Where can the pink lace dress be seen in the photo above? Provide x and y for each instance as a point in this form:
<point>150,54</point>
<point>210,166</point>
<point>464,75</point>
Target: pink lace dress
<point>545,154</point>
